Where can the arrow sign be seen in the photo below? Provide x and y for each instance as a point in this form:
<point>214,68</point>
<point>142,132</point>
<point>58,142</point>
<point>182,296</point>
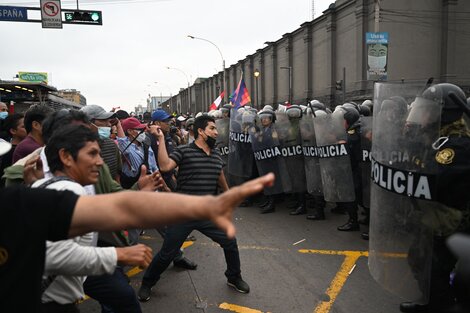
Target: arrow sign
<point>51,15</point>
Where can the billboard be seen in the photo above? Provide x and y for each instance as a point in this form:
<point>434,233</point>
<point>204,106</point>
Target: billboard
<point>32,77</point>
<point>377,56</point>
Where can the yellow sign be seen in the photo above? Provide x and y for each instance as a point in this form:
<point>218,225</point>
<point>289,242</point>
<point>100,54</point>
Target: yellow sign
<point>445,156</point>
<point>32,77</point>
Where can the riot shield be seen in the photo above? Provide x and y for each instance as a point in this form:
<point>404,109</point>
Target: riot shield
<point>223,128</point>
<point>311,160</point>
<point>335,163</point>
<point>268,157</point>
<point>288,130</point>
<point>366,145</point>
<point>240,153</point>
<point>403,180</point>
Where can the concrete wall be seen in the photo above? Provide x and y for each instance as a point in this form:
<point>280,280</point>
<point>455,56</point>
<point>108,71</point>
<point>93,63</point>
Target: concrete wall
<point>427,38</point>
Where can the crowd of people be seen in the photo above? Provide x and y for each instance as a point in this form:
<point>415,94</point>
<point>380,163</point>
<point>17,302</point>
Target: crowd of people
<point>392,159</point>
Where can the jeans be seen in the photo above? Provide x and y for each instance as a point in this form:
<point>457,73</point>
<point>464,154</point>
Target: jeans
<point>174,238</point>
<point>113,292</point>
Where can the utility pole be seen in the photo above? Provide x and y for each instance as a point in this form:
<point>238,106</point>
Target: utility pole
<point>377,16</point>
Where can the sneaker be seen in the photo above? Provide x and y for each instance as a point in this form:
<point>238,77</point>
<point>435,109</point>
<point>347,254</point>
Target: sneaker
<point>239,284</point>
<point>144,293</point>
<point>185,263</point>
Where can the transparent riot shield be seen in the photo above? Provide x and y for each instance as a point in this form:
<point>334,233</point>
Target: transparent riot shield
<point>311,160</point>
<point>403,180</point>
<point>288,130</point>
<point>268,157</point>
<point>335,163</point>
<point>223,128</point>
<point>240,153</point>
<point>366,145</point>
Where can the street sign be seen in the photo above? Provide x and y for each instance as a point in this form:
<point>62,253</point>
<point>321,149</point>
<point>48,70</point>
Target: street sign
<point>51,15</point>
<point>15,14</point>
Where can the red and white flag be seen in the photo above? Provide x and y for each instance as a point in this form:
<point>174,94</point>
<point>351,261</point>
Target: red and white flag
<point>216,103</point>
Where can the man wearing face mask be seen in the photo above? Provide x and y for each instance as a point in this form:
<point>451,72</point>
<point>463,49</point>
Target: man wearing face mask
<point>109,151</point>
<point>200,173</point>
<point>135,151</point>
<point>3,111</point>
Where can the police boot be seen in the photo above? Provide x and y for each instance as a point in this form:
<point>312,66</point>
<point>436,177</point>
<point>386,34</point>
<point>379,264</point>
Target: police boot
<point>302,208</point>
<point>264,203</point>
<point>352,224</point>
<point>269,208</point>
<point>319,215</point>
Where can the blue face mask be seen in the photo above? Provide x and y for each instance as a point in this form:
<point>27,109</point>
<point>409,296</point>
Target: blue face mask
<point>3,115</point>
<point>104,132</point>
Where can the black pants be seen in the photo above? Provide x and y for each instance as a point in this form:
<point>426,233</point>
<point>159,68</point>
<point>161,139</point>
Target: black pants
<point>174,238</point>
<point>113,292</point>
<point>54,307</point>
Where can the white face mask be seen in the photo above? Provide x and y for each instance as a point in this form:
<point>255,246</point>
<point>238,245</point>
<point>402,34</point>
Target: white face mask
<point>377,62</point>
<point>141,137</point>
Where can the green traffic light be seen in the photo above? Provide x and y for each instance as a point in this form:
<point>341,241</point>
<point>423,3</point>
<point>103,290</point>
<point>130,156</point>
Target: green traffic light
<point>95,16</point>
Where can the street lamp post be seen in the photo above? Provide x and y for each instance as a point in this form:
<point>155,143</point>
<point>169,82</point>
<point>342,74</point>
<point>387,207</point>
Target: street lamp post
<point>187,80</point>
<point>289,68</point>
<point>256,74</point>
<point>223,61</point>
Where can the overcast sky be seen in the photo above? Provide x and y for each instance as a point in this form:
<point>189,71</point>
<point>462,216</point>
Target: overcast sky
<point>117,64</point>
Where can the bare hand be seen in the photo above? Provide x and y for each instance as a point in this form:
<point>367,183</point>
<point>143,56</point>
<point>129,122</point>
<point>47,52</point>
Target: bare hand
<point>156,131</point>
<point>148,182</point>
<point>32,170</point>
<point>138,255</point>
<point>225,203</point>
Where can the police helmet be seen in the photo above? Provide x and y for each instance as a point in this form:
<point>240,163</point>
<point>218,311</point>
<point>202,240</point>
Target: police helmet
<point>453,99</point>
<point>351,114</point>
<point>294,111</point>
<point>268,108</point>
<point>442,101</point>
<point>364,110</point>
<point>267,114</point>
<point>317,105</point>
<point>394,109</point>
<point>225,109</point>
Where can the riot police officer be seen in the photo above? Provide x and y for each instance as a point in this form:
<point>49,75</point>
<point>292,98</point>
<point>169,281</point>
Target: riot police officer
<point>452,158</point>
<point>352,125</point>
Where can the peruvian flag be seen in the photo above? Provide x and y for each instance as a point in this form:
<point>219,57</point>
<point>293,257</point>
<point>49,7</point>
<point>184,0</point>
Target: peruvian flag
<point>216,103</point>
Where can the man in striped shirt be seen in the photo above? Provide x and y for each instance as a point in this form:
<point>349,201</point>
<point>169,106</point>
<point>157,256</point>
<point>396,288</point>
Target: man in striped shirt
<point>199,173</point>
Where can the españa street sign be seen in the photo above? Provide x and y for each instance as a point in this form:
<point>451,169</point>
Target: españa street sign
<point>16,14</point>
<point>51,15</point>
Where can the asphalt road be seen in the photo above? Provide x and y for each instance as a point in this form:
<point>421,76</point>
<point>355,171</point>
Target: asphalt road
<point>291,264</point>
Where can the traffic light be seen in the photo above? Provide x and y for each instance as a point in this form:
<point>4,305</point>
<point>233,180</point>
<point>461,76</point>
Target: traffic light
<point>339,85</point>
<point>83,17</point>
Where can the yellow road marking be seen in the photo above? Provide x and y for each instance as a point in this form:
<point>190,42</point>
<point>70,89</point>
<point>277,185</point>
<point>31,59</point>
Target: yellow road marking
<point>237,308</point>
<point>187,244</point>
<point>337,283</point>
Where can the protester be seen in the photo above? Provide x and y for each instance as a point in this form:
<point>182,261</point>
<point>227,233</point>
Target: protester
<point>33,124</point>
<point>200,173</point>
<point>54,215</point>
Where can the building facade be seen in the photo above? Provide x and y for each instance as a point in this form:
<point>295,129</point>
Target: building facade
<point>427,38</point>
